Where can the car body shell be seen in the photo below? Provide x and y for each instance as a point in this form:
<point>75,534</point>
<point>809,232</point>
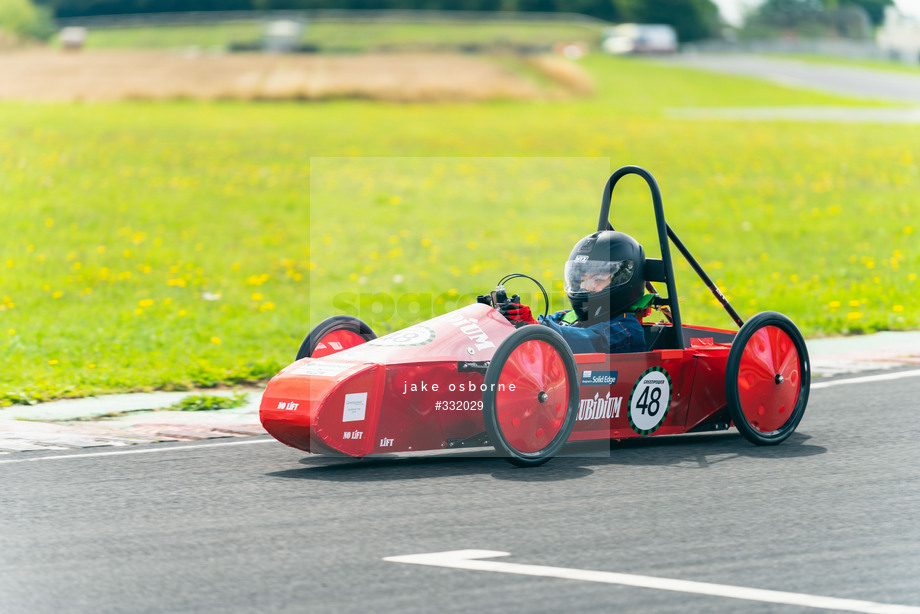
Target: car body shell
<point>421,388</point>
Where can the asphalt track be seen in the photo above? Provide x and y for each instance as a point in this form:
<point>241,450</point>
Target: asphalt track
<point>252,526</point>
<point>853,81</point>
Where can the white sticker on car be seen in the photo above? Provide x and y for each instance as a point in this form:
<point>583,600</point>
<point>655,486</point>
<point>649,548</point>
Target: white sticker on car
<point>322,368</point>
<point>355,407</point>
<point>414,335</point>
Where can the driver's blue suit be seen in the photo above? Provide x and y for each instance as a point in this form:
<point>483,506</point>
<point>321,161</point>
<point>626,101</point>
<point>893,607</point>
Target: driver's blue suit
<point>618,335</point>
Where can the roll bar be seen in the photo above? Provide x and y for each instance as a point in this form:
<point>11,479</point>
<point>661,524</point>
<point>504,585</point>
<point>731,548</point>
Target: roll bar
<point>664,234</point>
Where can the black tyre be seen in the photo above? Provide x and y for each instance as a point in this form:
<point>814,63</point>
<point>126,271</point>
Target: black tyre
<point>334,335</point>
<point>767,379</point>
<point>531,397</point>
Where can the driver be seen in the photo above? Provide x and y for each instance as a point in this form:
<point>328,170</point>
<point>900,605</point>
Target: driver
<point>603,280</point>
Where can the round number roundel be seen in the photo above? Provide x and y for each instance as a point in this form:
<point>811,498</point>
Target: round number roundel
<point>650,400</point>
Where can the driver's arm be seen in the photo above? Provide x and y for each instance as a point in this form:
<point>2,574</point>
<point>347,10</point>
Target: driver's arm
<point>581,340</point>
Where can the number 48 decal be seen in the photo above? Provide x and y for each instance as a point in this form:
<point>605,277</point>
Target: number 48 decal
<point>649,401</point>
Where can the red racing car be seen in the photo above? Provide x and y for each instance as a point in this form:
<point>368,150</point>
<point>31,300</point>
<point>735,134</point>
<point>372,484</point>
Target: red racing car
<point>470,378</point>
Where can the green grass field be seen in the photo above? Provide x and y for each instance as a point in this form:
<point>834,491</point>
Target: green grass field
<point>349,36</point>
<point>875,64</point>
<point>169,245</point>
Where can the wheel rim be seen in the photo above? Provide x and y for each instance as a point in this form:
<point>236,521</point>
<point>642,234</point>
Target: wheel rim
<point>533,414</point>
<point>769,379</point>
<point>336,341</point>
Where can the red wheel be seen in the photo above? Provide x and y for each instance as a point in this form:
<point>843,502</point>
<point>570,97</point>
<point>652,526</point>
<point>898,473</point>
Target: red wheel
<point>334,335</point>
<point>767,378</point>
<point>531,397</point>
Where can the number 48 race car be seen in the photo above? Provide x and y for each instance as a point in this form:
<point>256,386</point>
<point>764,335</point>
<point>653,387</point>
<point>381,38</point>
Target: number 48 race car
<point>470,378</point>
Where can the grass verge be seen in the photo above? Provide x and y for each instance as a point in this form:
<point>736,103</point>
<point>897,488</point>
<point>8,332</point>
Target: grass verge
<point>168,245</point>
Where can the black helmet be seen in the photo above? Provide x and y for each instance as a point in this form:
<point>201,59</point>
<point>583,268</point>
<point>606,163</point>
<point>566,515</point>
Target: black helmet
<point>604,275</point>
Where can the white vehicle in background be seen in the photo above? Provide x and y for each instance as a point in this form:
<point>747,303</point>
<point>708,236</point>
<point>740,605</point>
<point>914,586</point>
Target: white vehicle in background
<point>639,38</point>
<point>899,36</point>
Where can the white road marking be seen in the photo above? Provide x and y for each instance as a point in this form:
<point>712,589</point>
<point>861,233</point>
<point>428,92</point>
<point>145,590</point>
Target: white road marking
<point>469,559</point>
<point>867,379</point>
<point>141,451</point>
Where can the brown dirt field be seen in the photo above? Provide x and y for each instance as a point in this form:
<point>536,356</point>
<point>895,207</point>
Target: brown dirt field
<point>141,75</point>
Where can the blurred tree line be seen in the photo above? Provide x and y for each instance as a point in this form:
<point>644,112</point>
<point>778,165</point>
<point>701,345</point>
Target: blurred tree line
<point>693,19</point>
<point>815,18</point>
<point>20,19</point>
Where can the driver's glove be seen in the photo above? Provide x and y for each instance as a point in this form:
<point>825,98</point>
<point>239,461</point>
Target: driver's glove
<point>517,314</point>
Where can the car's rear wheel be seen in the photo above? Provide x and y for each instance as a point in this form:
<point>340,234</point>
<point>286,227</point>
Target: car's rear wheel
<point>333,335</point>
<point>531,398</point>
<point>767,379</point>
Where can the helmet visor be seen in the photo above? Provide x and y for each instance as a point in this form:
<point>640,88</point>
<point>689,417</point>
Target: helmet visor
<point>596,275</point>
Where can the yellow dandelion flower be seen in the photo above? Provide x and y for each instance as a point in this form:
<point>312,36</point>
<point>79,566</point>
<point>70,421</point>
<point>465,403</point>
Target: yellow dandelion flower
<point>395,200</point>
<point>182,312</point>
<point>908,230</point>
<point>147,302</point>
<point>57,294</point>
<point>49,222</point>
<point>898,308</point>
<point>215,340</point>
<point>854,303</point>
<point>52,362</point>
<point>426,242</point>
<point>834,304</point>
<point>854,315</point>
<point>12,331</point>
<point>257,296</point>
<point>266,306</point>
<point>100,249</point>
